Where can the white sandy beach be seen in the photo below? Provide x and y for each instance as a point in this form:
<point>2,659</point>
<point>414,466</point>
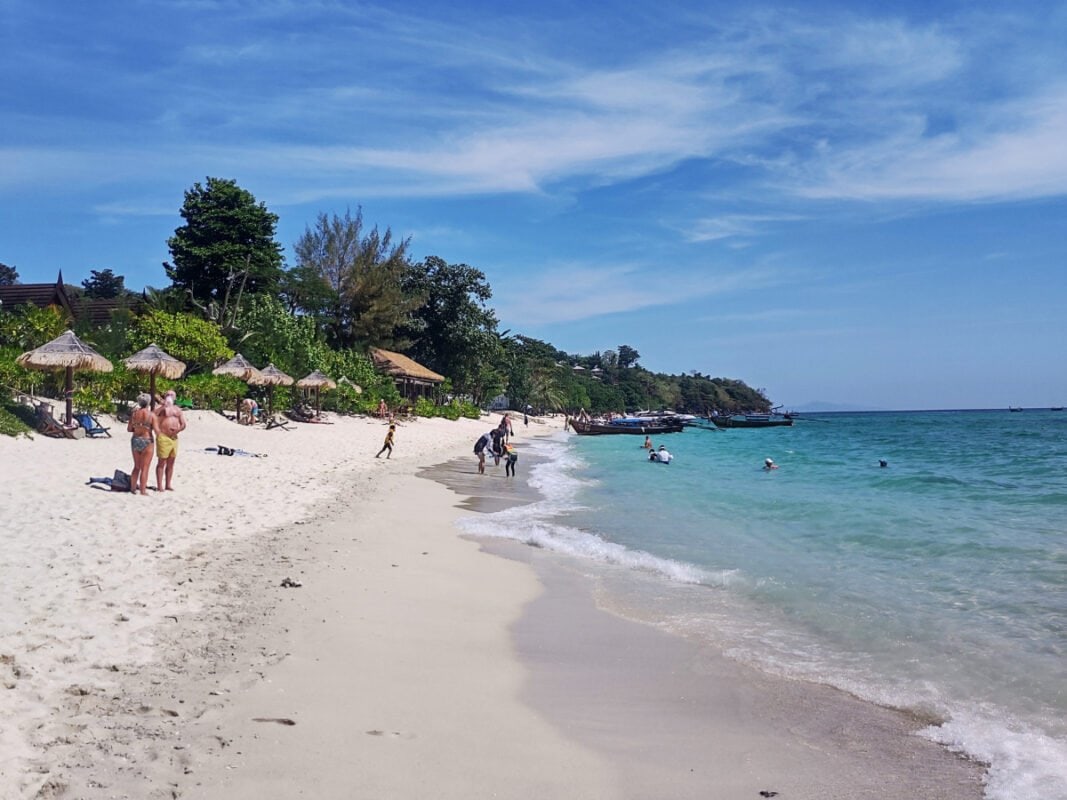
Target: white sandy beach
<point>149,650</point>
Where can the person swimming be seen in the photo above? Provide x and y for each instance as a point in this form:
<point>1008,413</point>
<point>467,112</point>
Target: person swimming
<point>768,464</point>
<point>662,455</point>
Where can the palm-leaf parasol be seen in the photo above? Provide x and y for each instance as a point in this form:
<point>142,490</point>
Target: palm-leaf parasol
<point>241,368</point>
<point>69,353</point>
<point>317,381</point>
<point>271,376</point>
<point>155,361</point>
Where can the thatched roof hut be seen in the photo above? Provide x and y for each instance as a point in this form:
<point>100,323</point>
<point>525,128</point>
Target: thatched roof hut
<point>412,378</point>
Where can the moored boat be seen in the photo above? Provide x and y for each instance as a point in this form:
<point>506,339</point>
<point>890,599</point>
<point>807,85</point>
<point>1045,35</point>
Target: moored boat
<point>752,421</point>
<point>636,426</point>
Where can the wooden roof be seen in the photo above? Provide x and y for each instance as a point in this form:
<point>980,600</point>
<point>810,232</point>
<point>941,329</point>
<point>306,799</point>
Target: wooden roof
<point>97,311</point>
<point>400,366</point>
<point>41,295</point>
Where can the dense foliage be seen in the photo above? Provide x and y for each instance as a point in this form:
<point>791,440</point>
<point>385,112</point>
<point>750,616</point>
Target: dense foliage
<point>352,282</point>
<point>351,289</point>
<point>225,249</point>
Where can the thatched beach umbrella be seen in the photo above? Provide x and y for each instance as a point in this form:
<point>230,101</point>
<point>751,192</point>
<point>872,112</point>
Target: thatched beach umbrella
<point>69,353</point>
<point>241,368</point>
<point>270,376</point>
<point>155,362</point>
<point>317,381</point>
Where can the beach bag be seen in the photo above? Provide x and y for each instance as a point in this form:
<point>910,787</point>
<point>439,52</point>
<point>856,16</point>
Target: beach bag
<point>120,482</point>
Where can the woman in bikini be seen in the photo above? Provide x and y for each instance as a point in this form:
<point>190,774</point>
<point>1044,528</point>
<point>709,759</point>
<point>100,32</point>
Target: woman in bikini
<point>142,425</point>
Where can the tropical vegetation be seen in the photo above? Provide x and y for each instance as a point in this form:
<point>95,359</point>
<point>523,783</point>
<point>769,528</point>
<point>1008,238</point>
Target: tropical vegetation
<point>351,288</point>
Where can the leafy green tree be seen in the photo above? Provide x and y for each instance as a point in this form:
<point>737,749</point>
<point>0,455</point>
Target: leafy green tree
<point>353,281</point>
<point>454,331</point>
<point>273,335</point>
<point>103,284</point>
<point>197,342</point>
<point>546,392</point>
<point>225,249</point>
<point>627,356</point>
<point>8,275</point>
<point>28,326</point>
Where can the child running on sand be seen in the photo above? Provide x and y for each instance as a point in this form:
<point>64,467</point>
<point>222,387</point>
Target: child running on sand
<point>388,442</point>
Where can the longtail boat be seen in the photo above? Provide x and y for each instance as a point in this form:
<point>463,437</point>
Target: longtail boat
<point>752,421</point>
<point>639,427</point>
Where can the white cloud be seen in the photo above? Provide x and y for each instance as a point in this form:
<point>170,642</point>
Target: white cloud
<point>571,292</point>
<point>1015,151</point>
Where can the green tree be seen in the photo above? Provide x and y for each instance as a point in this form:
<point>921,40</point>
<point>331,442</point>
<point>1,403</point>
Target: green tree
<point>197,342</point>
<point>627,356</point>
<point>8,275</point>
<point>353,281</point>
<point>454,331</point>
<point>225,249</point>
<point>273,335</point>
<point>546,393</point>
<point>103,284</point>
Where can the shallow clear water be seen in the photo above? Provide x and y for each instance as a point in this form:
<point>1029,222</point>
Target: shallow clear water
<point>938,583</point>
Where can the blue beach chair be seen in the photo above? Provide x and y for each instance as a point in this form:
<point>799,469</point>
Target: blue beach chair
<point>92,427</point>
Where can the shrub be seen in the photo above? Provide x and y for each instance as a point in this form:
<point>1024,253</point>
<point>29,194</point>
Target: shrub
<point>16,419</point>
<point>216,392</point>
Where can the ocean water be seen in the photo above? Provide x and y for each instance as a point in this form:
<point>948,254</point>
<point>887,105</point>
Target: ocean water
<point>937,584</point>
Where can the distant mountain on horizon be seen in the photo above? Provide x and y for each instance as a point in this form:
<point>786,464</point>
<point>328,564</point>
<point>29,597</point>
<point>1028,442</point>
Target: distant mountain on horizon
<point>822,407</point>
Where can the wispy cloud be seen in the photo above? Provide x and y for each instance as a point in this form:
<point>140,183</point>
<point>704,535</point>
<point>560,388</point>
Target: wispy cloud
<point>578,291</point>
<point>378,102</point>
<point>733,226</point>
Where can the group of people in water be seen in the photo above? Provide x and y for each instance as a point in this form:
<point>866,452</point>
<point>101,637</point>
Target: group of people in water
<point>659,455</point>
<point>496,442</point>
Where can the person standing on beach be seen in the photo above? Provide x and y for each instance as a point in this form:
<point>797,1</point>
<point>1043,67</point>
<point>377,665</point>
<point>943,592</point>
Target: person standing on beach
<point>170,421</point>
<point>383,409</point>
<point>388,442</point>
<point>142,425</point>
<point>505,428</point>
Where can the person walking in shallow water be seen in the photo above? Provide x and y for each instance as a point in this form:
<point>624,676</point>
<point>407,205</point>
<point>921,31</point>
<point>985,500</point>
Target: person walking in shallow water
<point>510,457</point>
<point>388,442</point>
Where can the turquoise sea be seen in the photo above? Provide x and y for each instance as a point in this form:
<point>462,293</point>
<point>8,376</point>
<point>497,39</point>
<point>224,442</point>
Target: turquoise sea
<point>937,584</point>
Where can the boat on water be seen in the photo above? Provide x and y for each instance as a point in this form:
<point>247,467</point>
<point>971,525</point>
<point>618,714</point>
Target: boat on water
<point>1056,408</point>
<point>623,425</point>
<point>752,421</point>
<point>1014,409</point>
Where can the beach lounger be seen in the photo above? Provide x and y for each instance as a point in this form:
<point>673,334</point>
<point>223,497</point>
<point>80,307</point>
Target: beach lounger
<point>92,426</point>
<point>50,426</point>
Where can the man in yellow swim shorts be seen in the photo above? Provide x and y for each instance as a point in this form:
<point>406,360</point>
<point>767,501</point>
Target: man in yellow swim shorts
<point>171,423</point>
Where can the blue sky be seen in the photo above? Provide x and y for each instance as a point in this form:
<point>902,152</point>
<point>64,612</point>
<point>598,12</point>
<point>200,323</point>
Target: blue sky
<point>863,204</point>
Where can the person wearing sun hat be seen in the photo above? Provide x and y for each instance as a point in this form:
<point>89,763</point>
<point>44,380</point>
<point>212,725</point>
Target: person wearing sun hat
<point>768,464</point>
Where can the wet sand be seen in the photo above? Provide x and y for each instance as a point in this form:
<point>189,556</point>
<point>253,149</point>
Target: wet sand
<point>676,718</point>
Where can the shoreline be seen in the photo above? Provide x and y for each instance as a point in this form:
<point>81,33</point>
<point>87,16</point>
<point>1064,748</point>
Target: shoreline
<point>413,660</point>
<point>716,727</point>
